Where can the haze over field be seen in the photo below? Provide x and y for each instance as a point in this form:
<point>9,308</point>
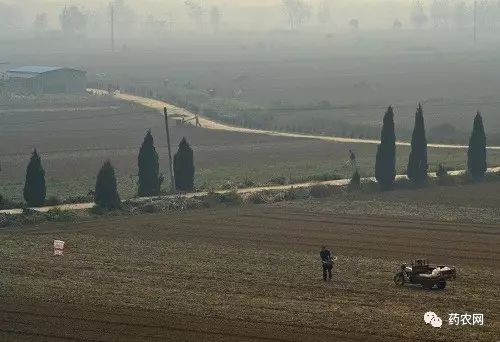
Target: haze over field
<point>20,16</point>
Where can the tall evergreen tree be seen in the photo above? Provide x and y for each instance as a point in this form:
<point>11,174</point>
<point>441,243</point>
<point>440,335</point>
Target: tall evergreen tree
<point>106,192</point>
<point>184,167</point>
<point>476,155</point>
<point>149,168</point>
<point>385,165</point>
<point>417,164</point>
<point>34,186</point>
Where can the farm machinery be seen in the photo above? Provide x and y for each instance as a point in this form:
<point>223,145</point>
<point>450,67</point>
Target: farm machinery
<point>422,273</point>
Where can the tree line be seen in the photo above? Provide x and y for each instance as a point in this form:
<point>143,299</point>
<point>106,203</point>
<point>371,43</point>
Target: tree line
<point>418,167</point>
<point>150,179</point>
<point>106,190</point>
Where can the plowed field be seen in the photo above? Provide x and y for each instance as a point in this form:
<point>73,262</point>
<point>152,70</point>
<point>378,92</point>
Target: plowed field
<point>248,274</point>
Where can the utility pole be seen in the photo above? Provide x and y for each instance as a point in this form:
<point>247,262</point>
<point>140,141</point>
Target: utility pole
<point>170,163</point>
<point>475,21</point>
<point>112,27</point>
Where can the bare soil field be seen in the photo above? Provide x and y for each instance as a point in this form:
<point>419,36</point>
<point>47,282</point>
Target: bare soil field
<point>75,143</point>
<point>247,274</point>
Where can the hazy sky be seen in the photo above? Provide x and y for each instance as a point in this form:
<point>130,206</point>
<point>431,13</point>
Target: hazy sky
<point>19,14</point>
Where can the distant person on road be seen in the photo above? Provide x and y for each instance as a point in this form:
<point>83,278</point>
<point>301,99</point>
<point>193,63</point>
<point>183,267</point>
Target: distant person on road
<point>197,120</point>
<point>352,158</point>
<point>327,262</point>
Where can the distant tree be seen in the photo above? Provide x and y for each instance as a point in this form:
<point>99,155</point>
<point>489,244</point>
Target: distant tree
<point>297,12</point>
<point>385,164</point>
<point>397,25</point>
<point>184,167</point>
<point>476,155</point>
<point>72,20</point>
<point>461,17</point>
<point>440,13</point>
<point>125,17</point>
<point>106,191</point>
<point>418,16</point>
<point>325,12</point>
<point>441,171</point>
<point>215,17</point>
<point>417,164</point>
<point>149,169</point>
<point>34,186</point>
<point>195,11</point>
<point>41,22</point>
<point>354,24</point>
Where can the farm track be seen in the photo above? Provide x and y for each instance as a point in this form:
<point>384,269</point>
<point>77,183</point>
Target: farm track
<point>244,191</point>
<point>210,124</point>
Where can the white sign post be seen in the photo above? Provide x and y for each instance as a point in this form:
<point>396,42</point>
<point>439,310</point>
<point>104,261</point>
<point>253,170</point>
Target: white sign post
<point>58,247</point>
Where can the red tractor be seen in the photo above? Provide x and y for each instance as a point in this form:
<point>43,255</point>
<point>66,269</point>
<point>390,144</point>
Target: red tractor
<point>421,272</point>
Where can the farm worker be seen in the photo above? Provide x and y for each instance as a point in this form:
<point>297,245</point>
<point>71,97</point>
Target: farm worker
<point>352,158</point>
<point>326,260</point>
<point>197,120</point>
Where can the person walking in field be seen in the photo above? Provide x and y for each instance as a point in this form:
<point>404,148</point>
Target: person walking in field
<point>327,262</point>
<point>352,158</point>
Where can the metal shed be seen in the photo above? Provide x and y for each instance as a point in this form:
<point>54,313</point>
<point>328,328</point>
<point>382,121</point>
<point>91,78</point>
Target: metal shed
<point>46,80</point>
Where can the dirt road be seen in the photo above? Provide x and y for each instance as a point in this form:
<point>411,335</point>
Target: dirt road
<point>246,191</point>
<point>243,275</point>
<point>209,124</point>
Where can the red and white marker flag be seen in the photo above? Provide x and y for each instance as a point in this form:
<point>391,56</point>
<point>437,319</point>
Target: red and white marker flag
<point>58,247</point>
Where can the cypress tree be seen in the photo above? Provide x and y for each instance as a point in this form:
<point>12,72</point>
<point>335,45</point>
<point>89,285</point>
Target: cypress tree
<point>34,186</point>
<point>417,164</point>
<point>476,155</point>
<point>106,193</point>
<point>149,168</point>
<point>385,165</point>
<point>184,167</point>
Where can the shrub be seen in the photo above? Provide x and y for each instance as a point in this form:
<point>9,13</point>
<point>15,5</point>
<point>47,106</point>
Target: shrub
<point>441,171</point>
<point>4,220</point>
<point>53,201</point>
<point>260,197</point>
<point>150,208</point>
<point>60,215</point>
<point>297,193</point>
<point>194,203</point>
<point>231,198</point>
<point>8,204</point>
<point>98,210</point>
<point>211,200</point>
<point>184,167</point>
<point>106,193</point>
<point>149,175</point>
<point>79,199</point>
<point>279,180</point>
<point>321,191</point>
<point>34,186</point>
<point>322,177</point>
<point>355,183</point>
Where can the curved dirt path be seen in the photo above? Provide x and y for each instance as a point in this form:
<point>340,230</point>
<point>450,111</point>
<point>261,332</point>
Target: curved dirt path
<point>209,124</point>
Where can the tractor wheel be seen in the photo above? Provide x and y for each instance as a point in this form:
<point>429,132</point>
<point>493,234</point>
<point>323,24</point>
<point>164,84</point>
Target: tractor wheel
<point>399,279</point>
<point>441,285</point>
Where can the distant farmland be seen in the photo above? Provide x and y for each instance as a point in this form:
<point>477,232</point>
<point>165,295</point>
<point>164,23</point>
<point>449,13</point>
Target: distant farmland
<point>74,143</point>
